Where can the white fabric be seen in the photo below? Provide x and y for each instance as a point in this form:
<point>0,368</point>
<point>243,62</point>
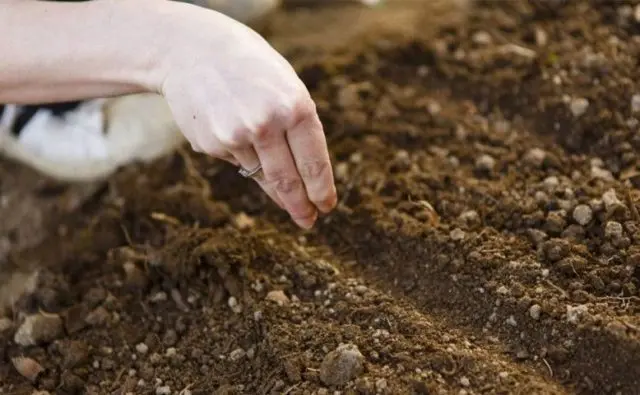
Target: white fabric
<point>77,147</point>
<point>75,136</point>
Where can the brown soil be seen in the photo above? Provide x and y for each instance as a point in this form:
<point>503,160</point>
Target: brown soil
<point>457,261</point>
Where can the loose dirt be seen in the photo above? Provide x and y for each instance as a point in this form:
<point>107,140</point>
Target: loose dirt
<point>487,239</point>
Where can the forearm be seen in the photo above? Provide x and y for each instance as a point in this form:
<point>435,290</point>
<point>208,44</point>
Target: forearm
<point>55,51</point>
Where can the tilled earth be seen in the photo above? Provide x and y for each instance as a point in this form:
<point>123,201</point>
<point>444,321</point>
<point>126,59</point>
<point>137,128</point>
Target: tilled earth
<point>487,239</point>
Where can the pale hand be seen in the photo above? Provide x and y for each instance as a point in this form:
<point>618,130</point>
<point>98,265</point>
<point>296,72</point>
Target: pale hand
<point>236,98</point>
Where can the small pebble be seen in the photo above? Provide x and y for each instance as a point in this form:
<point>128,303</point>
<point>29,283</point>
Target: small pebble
<point>165,390</point>
<point>457,234</point>
<point>39,328</point>
<point>243,222</point>
<point>278,296</point>
<point>481,38</point>
<point>601,174</point>
<point>596,205</point>
<point>574,313</point>
<point>565,205</point>
<point>551,183</point>
<point>95,296</point>
<point>234,305</point>
<point>342,365</point>
<point>356,158</point>
<point>535,157</point>
<point>27,367</point>
<point>433,108</point>
<point>535,311</point>
<point>596,162</point>
<point>381,384</point>
<point>555,222</point>
<point>611,202</point>
<point>613,230</point>
<point>470,218</point>
<point>142,348</point>
<point>541,37</point>
<point>98,317</point>
<point>159,297</point>
<point>485,163</point>
<point>342,171</point>
<point>465,382</point>
<point>556,249</point>
<point>583,214</point>
<point>579,106</point>
<point>237,354</point>
<point>537,236</point>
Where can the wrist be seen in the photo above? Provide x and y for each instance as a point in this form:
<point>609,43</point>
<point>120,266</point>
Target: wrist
<point>142,44</point>
<point>183,35</point>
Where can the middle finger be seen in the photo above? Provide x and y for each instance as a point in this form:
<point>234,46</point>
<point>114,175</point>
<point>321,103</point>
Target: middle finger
<point>248,159</point>
<point>281,173</point>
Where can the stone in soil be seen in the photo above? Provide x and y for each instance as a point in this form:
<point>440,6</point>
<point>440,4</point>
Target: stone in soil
<point>342,365</point>
<point>39,328</point>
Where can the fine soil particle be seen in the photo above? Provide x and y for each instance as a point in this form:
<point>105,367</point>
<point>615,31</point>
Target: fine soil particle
<point>487,238</point>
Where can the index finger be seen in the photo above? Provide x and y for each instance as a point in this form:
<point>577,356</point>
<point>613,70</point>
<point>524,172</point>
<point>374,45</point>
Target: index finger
<point>309,149</point>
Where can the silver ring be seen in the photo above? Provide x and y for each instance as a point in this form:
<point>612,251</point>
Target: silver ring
<point>249,173</point>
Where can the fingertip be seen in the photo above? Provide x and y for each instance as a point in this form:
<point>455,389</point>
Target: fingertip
<point>308,222</point>
<point>330,202</point>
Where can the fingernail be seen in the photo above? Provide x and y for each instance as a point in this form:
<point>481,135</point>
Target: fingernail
<point>307,223</point>
<point>331,204</point>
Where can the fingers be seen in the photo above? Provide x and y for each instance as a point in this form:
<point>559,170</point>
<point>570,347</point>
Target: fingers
<point>248,159</point>
<point>309,148</point>
<point>245,157</point>
<point>281,173</point>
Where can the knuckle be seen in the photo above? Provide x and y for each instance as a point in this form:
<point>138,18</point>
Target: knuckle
<point>305,108</point>
<point>262,134</point>
<point>305,113</point>
<point>288,185</point>
<point>314,169</point>
<point>283,112</point>
<point>283,182</point>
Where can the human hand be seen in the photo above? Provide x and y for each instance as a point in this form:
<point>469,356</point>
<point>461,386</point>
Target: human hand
<point>235,98</point>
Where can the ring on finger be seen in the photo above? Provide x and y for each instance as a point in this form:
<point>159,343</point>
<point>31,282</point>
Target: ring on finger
<point>249,173</point>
